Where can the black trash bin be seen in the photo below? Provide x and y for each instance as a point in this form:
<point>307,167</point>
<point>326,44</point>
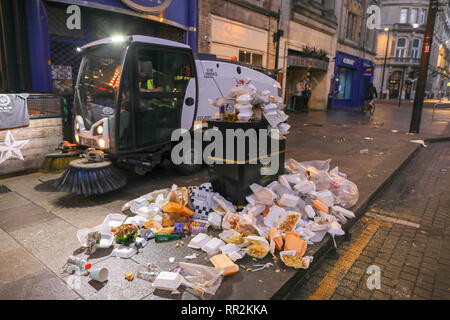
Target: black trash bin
<point>232,178</point>
<point>298,103</point>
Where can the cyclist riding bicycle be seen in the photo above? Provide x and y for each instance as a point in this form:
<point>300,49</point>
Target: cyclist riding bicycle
<point>371,93</point>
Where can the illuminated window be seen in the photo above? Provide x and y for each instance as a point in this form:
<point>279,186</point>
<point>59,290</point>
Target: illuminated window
<point>251,58</point>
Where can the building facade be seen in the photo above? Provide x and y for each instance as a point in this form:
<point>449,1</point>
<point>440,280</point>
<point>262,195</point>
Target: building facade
<point>400,43</point>
<point>239,30</point>
<point>307,48</point>
<point>438,84</point>
<point>355,54</point>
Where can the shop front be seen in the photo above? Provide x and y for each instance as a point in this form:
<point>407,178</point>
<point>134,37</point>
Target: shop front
<point>57,28</point>
<point>351,78</point>
<point>302,72</point>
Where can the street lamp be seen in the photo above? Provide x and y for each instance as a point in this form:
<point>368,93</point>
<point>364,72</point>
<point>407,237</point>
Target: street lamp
<point>385,57</point>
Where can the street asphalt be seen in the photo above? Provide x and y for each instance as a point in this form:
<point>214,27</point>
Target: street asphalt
<point>38,224</point>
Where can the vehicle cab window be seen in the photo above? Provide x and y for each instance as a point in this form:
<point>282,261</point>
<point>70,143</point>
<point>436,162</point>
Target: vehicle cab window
<point>161,80</point>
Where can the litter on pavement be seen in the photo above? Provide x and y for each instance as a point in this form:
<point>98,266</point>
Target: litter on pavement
<point>289,214</point>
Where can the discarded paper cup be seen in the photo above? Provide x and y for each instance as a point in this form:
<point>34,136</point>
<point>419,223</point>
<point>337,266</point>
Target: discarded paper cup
<point>99,274</point>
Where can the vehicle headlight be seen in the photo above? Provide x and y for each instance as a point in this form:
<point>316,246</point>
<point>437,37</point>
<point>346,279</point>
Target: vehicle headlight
<point>101,143</point>
<point>99,130</point>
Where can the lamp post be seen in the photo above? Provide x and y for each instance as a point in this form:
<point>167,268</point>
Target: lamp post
<point>423,68</point>
<point>385,57</point>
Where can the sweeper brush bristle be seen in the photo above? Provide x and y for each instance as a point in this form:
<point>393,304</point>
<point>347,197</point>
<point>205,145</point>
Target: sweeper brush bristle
<point>57,162</point>
<point>89,179</point>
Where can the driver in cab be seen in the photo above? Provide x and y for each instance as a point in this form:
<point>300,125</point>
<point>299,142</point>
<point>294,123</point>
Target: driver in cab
<point>150,80</point>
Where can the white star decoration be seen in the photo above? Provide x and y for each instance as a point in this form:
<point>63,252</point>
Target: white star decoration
<point>11,148</point>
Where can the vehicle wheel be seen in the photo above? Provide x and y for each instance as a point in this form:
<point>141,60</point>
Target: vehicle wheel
<point>185,168</point>
<point>141,171</point>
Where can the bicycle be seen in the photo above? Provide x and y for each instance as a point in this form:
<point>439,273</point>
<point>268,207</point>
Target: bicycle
<point>369,107</point>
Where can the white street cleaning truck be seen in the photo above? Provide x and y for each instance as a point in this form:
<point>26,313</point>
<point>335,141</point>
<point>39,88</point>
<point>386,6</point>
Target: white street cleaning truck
<point>132,92</point>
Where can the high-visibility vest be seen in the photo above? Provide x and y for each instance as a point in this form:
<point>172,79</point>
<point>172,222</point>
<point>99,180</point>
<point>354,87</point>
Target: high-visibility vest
<point>150,84</point>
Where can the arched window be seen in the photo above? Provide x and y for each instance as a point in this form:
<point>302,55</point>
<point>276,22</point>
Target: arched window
<point>415,47</point>
<point>400,48</point>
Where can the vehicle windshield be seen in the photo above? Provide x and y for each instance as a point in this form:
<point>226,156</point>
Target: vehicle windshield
<point>98,84</point>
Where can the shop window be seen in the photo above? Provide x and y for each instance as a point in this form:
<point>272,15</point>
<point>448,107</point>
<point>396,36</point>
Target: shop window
<point>245,56</point>
<point>414,15</point>
<point>404,15</point>
<point>344,83</point>
<point>415,47</point>
<point>400,48</point>
<point>251,58</point>
<point>257,59</point>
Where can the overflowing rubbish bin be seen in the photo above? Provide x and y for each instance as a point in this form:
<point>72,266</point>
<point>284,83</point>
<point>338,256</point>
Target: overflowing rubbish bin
<point>233,177</point>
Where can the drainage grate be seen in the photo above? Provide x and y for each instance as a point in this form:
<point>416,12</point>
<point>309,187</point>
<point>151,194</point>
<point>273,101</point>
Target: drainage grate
<point>4,189</point>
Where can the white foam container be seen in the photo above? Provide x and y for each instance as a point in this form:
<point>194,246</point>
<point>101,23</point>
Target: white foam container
<point>213,246</point>
<point>168,281</point>
<point>113,220</point>
<point>326,197</point>
<point>138,221</point>
<point>199,241</point>
<point>215,219</point>
<point>289,200</point>
<point>346,213</point>
<point>123,252</point>
<point>310,211</point>
<point>229,248</point>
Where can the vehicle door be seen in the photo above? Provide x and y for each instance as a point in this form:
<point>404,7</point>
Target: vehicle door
<point>163,78</point>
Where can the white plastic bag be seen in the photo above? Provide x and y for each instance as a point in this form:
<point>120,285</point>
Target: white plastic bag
<point>345,192</point>
<point>201,278</point>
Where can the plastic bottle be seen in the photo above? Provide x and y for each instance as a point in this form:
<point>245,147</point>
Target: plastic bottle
<point>163,237</point>
<point>81,263</point>
<point>222,112</point>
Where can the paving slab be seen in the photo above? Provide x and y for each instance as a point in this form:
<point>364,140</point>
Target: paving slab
<point>19,217</point>
<point>51,242</point>
<point>41,285</point>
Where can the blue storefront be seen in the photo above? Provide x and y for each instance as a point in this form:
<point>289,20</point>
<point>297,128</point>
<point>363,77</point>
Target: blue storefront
<point>56,28</point>
<point>352,75</point>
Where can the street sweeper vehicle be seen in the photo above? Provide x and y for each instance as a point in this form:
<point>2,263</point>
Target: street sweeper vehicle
<point>132,92</point>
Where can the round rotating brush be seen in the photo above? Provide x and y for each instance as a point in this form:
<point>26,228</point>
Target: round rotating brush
<point>91,178</point>
<point>58,162</point>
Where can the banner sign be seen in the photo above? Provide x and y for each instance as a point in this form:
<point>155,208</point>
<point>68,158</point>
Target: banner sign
<point>148,6</point>
<point>296,61</point>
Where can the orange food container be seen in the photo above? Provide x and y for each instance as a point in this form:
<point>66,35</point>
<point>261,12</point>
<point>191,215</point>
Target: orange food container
<point>278,239</point>
<point>293,242</point>
<point>222,261</point>
<point>172,207</point>
<point>319,205</point>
